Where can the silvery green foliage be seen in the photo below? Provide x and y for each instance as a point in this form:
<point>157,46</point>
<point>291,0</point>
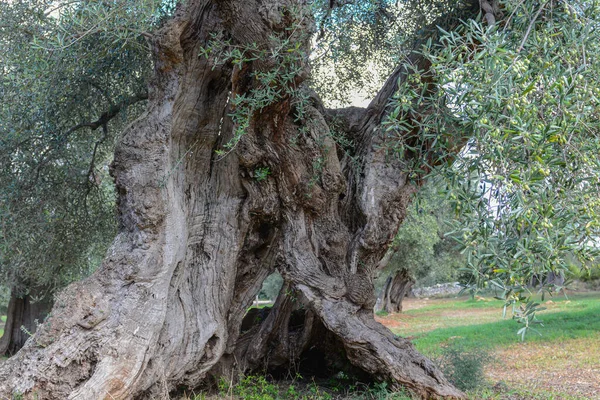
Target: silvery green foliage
<point>521,100</point>
<point>63,65</point>
<point>422,245</point>
<point>360,42</point>
<point>271,287</point>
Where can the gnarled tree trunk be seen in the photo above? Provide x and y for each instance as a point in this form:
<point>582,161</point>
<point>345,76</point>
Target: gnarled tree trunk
<point>201,231</point>
<point>25,312</point>
<point>395,290</point>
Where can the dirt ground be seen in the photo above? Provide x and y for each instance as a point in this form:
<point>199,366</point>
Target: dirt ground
<point>565,367</point>
<point>406,324</point>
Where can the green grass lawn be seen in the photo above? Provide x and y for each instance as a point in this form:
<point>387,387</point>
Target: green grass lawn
<point>548,366</point>
<point>559,362</point>
<point>577,317</point>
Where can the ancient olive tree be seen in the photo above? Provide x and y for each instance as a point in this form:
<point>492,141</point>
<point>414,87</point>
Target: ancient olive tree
<point>237,169</point>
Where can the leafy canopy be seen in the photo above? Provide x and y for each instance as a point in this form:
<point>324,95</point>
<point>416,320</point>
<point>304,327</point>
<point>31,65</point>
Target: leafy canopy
<point>508,114</point>
<point>521,98</point>
<point>423,245</point>
<point>72,74</point>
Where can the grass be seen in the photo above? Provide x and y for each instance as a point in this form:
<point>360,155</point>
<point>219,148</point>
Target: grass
<point>561,362</point>
<point>260,306</point>
<point>521,394</point>
<point>552,366</point>
<point>2,321</point>
<point>255,387</point>
<point>478,321</point>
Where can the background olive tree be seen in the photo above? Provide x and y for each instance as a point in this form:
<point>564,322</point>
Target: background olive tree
<point>424,252</point>
<point>72,75</point>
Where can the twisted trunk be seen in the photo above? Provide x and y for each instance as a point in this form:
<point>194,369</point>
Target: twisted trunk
<point>395,290</point>
<point>200,232</point>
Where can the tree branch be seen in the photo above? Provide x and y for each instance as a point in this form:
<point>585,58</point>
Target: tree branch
<point>110,114</point>
<point>103,120</point>
<point>490,9</point>
<point>91,175</point>
<point>377,109</point>
<point>535,17</point>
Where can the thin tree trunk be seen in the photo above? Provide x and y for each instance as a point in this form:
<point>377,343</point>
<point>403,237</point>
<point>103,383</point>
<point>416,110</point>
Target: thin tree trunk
<point>24,314</point>
<point>200,232</point>
<point>396,288</point>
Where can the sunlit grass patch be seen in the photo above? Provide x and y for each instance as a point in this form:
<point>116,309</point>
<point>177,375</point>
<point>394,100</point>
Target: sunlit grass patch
<point>559,362</point>
<point>500,393</point>
<point>578,318</point>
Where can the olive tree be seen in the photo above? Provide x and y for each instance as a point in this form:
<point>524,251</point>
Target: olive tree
<point>234,171</point>
<point>424,251</point>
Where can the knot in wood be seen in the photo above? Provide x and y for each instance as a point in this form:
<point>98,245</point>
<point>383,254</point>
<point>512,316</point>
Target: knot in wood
<point>360,290</point>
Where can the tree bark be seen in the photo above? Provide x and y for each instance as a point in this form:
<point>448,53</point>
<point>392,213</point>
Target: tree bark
<point>397,287</point>
<point>200,232</point>
<point>24,314</point>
